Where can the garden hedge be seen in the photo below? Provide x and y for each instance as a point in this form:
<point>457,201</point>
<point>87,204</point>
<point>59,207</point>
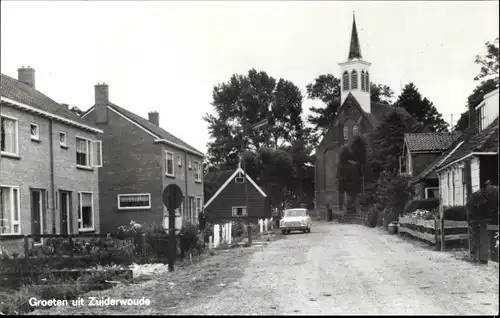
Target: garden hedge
<point>483,204</point>
<point>425,204</point>
<point>455,213</point>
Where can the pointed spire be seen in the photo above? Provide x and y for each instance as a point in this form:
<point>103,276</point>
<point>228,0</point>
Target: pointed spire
<point>354,48</point>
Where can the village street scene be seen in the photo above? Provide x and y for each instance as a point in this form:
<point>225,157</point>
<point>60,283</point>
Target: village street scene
<point>249,158</point>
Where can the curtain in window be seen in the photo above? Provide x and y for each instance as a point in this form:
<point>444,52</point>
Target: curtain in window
<point>6,211</point>
<point>81,146</point>
<point>9,135</point>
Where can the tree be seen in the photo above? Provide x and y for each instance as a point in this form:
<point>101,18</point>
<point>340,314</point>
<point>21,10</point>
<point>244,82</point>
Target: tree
<point>422,109</point>
<point>489,62</point>
<point>247,100</point>
<point>489,76</point>
<point>381,93</point>
<point>326,88</point>
<point>74,109</point>
<point>387,144</point>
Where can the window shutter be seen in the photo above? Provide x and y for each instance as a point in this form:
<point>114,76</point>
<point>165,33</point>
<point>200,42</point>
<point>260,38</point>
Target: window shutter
<point>96,153</point>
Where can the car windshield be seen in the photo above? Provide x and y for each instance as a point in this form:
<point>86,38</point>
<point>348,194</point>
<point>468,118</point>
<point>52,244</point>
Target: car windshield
<point>296,212</point>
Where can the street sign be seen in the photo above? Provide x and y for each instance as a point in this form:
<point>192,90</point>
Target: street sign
<point>172,197</point>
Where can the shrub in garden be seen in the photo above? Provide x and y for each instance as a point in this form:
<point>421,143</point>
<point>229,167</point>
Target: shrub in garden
<point>455,213</point>
<point>424,204</point>
<point>373,215</point>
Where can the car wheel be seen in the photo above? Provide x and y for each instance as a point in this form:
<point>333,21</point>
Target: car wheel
<point>283,231</point>
<point>309,229</point>
<point>304,230</point>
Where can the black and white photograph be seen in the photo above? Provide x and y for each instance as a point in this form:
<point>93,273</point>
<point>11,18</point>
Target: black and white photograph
<point>263,158</point>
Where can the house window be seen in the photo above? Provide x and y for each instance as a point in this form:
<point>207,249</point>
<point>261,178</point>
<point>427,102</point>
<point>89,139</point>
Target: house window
<point>88,153</point>
<point>464,186</point>
<point>189,164</point>
<point>354,79</point>
<point>345,81</point>
<point>197,171</point>
<point>134,201</point>
<point>35,132</point>
<point>169,163</point>
<point>9,210</point>
<point>85,211</point>
<point>355,130</point>
<point>363,86</point>
<point>192,208</point>
<point>9,142</point>
<point>63,139</point>
<point>346,132</point>
<point>431,193</point>
<point>367,87</point>
<point>179,161</point>
<point>453,199</point>
<point>481,118</point>
<point>199,205</point>
<point>239,210</point>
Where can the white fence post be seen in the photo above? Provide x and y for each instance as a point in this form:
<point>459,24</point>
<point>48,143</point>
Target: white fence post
<point>261,225</point>
<point>216,235</point>
<point>265,225</point>
<point>210,242</point>
<point>230,235</point>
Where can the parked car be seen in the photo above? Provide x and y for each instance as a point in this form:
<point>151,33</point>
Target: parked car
<point>295,220</point>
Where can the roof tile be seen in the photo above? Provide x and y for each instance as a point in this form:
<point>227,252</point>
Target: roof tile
<point>433,141</point>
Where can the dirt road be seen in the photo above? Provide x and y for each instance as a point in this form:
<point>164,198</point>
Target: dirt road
<point>351,269</point>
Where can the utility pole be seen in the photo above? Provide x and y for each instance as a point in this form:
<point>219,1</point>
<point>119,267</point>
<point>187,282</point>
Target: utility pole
<point>243,133</point>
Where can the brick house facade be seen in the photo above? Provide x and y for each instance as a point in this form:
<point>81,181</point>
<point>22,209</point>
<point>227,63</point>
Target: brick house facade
<point>139,160</point>
<point>49,185</point>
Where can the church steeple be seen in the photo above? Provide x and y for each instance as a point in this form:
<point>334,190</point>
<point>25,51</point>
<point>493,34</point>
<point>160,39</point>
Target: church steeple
<point>355,73</point>
<point>354,49</point>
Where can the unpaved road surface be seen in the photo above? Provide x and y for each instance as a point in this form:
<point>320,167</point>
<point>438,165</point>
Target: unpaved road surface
<point>350,269</point>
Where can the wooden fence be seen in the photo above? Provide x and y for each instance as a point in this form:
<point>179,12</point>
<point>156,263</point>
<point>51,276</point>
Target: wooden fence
<point>223,232</point>
<point>454,231</point>
<point>430,230</point>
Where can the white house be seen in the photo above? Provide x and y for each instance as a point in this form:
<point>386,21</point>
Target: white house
<point>473,161</point>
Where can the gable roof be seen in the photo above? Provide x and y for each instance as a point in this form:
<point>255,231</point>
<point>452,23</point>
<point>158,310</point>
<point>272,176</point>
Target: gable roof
<point>239,170</point>
<point>432,141</point>
<point>19,94</point>
<point>430,170</point>
<point>485,141</point>
<point>156,131</point>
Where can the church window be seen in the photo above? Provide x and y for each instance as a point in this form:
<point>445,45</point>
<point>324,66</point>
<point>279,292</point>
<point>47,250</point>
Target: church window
<point>345,81</point>
<point>354,79</point>
<point>363,81</point>
<point>355,130</point>
<point>346,132</point>
<point>367,83</point>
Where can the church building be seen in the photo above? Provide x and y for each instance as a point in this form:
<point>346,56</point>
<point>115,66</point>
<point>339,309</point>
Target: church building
<point>356,115</point>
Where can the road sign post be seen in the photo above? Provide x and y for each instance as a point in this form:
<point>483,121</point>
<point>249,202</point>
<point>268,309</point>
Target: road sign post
<point>172,199</point>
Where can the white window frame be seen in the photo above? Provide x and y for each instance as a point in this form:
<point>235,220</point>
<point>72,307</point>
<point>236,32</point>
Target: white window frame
<point>80,212</point>
<point>172,155</point>
<point>179,160</point>
<point>234,210</point>
<point>199,204</point>
<point>18,210</point>
<point>16,123</point>
<point>35,137</point>
<point>65,143</point>
<point>428,189</point>
<point>197,169</point>
<point>90,152</point>
<point>134,207</point>
<point>190,164</point>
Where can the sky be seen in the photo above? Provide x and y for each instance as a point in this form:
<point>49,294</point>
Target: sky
<point>166,56</point>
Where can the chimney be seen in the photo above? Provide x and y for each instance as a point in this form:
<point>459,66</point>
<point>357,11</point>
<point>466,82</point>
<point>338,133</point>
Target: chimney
<point>154,117</point>
<point>101,103</point>
<point>26,75</point>
<point>65,105</point>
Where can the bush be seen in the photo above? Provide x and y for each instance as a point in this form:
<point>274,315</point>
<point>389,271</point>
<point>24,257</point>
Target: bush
<point>425,204</point>
<point>373,215</point>
<point>455,213</point>
<point>483,204</point>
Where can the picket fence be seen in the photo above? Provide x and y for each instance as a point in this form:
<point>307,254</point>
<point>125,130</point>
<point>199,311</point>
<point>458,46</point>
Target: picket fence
<point>222,232</point>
